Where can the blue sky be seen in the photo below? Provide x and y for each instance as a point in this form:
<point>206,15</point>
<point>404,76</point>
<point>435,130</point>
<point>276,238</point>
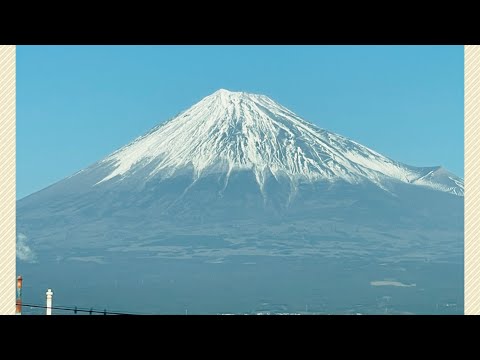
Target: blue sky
<point>77,104</point>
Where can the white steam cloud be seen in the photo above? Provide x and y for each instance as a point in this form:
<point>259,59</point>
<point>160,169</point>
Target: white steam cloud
<point>24,252</point>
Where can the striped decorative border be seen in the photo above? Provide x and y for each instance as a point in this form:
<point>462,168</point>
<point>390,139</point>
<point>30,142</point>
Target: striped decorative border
<point>7,179</point>
<point>472,180</point>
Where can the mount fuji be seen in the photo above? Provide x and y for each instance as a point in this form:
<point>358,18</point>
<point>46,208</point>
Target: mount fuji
<point>239,197</point>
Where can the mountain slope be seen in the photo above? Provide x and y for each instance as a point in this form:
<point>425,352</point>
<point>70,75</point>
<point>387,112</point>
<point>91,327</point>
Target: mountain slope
<point>233,192</point>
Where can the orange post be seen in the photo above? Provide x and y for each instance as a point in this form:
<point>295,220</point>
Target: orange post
<point>18,310</point>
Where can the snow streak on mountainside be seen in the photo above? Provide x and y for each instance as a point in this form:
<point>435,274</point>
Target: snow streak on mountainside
<point>231,131</point>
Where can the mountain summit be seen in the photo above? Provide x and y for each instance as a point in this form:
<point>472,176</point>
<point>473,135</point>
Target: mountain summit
<point>228,131</point>
<point>238,204</point>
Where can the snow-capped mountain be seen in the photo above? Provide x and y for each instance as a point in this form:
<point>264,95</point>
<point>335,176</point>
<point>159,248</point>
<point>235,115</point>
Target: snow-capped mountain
<point>239,204</point>
<point>229,131</point>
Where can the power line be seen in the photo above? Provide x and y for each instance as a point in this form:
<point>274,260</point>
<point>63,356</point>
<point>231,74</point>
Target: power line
<point>77,309</point>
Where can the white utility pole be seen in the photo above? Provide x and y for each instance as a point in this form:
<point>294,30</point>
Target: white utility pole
<point>49,301</point>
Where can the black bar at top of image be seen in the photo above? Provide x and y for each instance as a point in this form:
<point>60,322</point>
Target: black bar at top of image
<point>243,25</point>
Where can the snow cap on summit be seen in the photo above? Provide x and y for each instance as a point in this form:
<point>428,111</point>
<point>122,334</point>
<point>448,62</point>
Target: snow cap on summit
<point>228,131</point>
<point>226,92</point>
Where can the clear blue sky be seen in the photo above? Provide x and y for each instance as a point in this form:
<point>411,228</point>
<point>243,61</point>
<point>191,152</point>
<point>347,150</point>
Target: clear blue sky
<point>77,104</point>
